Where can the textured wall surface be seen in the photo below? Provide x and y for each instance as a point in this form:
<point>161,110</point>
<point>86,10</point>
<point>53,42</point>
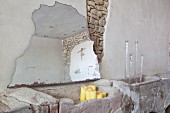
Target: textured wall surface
<point>68,44</point>
<point>57,36</point>
<point>17,27</point>
<point>97,11</point>
<point>145,21</point>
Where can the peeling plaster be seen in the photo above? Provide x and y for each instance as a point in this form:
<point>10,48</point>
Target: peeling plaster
<point>37,71</point>
<point>58,21</point>
<point>16,30</point>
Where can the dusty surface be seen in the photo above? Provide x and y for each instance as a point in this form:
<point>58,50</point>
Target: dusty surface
<point>148,96</point>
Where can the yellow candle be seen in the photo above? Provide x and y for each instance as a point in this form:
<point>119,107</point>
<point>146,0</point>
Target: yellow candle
<point>93,95</point>
<point>103,94</point>
<point>88,94</point>
<point>99,95</point>
<point>83,93</point>
<point>93,87</point>
<point>98,92</point>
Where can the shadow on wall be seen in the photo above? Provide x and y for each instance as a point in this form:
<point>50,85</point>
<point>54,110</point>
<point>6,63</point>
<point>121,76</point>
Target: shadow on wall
<point>167,110</point>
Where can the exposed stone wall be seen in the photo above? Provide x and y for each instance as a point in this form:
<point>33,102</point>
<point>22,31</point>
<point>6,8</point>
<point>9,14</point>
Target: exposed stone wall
<point>68,44</point>
<point>97,12</point>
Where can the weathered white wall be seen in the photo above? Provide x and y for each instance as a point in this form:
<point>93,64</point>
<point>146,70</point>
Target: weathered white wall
<point>42,62</point>
<point>16,29</point>
<point>146,21</point>
<point>84,65</point>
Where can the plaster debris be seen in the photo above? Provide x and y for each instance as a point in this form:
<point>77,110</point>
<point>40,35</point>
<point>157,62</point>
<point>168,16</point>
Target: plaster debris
<point>33,97</point>
<point>12,104</point>
<point>3,107</point>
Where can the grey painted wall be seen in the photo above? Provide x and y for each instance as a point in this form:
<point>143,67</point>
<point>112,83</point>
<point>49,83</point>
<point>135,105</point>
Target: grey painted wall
<point>146,21</point>
<point>42,62</point>
<point>16,29</point>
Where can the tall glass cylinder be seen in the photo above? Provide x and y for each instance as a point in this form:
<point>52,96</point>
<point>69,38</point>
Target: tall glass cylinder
<point>136,58</point>
<point>130,65</point>
<point>141,67</point>
<point>126,58</point>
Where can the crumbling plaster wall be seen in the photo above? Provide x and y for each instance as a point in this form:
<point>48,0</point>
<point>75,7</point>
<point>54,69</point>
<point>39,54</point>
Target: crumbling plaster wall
<point>16,29</point>
<point>146,21</point>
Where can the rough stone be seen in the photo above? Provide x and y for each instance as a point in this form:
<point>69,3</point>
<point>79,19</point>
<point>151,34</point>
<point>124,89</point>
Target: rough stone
<point>33,97</point>
<point>11,104</point>
<point>91,3</point>
<point>103,82</point>
<point>64,91</point>
<point>107,105</point>
<point>99,14</point>
<point>101,29</point>
<point>54,108</point>
<point>102,22</point>
<point>106,4</point>
<point>94,11</point>
<point>99,2</point>
<point>91,26</point>
<point>3,107</point>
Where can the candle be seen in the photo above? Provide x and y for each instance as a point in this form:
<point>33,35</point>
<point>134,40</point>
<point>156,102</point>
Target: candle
<point>103,95</point>
<point>83,93</point>
<point>130,65</point>
<point>126,58</point>
<point>141,68</point>
<point>92,94</point>
<point>88,94</point>
<point>93,87</point>
<point>136,57</point>
<point>97,92</point>
<point>99,95</point>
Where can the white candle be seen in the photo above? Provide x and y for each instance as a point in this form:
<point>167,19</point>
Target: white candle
<point>141,65</point>
<point>126,58</point>
<point>136,58</point>
<point>130,65</point>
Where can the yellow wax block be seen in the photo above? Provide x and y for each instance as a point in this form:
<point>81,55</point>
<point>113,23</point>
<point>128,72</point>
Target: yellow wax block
<point>89,87</point>
<point>92,94</point>
<point>103,94</point>
<point>88,94</point>
<point>93,87</point>
<point>98,92</point>
<point>99,95</point>
<point>83,93</point>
